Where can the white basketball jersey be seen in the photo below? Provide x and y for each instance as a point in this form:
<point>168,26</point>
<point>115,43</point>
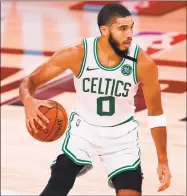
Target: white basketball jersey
<point>105,96</point>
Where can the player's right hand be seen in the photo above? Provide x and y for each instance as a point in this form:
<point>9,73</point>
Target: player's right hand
<point>32,113</point>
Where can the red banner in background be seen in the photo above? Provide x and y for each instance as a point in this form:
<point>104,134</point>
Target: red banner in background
<point>155,8</point>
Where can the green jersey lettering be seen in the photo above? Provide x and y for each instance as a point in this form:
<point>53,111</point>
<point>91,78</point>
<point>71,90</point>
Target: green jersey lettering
<point>93,84</point>
<point>116,90</point>
<point>83,84</point>
<point>99,90</point>
<point>125,94</point>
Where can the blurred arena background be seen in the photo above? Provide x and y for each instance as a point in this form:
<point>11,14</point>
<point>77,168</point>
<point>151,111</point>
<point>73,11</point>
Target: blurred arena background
<point>31,32</point>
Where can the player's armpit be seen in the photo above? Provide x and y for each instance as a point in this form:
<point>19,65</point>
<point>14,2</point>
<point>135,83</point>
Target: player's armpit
<point>147,72</point>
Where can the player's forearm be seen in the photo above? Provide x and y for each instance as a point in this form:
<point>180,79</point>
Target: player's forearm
<point>26,89</point>
<point>159,135</point>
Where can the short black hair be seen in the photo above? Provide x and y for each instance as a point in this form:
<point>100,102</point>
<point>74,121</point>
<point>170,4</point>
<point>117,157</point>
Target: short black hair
<point>109,11</point>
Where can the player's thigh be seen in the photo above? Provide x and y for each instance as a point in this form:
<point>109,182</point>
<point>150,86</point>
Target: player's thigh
<point>128,182</point>
<point>76,144</point>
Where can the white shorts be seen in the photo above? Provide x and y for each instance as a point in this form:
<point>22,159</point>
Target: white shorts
<point>117,146</point>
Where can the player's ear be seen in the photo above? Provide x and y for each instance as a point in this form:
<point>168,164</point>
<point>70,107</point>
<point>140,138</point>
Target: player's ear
<point>104,30</point>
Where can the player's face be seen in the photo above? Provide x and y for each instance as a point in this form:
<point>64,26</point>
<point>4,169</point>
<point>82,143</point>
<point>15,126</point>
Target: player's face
<point>120,34</point>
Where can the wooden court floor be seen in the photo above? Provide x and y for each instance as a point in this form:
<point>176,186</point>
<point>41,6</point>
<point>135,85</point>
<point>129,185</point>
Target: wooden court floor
<point>30,31</point>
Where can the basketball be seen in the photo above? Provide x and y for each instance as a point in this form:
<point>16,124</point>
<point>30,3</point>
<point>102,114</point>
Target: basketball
<point>58,121</point>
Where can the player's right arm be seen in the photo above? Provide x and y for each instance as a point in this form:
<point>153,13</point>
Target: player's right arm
<point>67,58</point>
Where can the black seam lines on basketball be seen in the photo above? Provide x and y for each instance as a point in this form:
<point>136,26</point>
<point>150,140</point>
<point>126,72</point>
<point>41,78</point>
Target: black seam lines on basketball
<point>64,116</point>
<point>58,109</point>
<point>53,125</point>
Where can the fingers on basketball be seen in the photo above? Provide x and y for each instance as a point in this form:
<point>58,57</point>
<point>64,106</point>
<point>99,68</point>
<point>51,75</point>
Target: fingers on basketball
<point>33,125</point>
<point>42,116</point>
<point>38,120</point>
<point>56,117</point>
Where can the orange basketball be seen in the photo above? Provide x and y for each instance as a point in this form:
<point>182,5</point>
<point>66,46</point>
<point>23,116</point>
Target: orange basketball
<point>58,121</point>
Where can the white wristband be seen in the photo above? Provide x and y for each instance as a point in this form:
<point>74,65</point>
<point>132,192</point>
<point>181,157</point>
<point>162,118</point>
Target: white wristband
<point>157,121</point>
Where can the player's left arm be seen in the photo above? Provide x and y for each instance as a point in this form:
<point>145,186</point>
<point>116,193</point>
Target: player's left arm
<point>147,74</point>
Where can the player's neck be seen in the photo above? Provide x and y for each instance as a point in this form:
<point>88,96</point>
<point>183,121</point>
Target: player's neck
<point>108,50</point>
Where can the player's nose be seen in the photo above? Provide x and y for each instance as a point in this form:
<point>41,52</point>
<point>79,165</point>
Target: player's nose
<point>129,34</point>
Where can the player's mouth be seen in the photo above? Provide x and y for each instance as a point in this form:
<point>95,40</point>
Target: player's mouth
<point>127,43</point>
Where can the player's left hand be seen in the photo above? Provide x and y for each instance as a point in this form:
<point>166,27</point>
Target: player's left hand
<point>164,176</point>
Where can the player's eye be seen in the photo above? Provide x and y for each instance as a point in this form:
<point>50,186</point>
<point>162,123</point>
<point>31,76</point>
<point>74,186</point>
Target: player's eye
<point>123,28</point>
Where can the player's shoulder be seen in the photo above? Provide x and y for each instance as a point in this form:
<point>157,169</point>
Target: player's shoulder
<point>144,59</point>
<point>75,46</point>
<point>136,49</point>
<point>71,54</point>
<point>73,50</point>
<point>146,66</point>
<point>78,46</point>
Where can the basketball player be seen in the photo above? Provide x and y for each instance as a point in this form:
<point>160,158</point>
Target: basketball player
<point>107,71</point>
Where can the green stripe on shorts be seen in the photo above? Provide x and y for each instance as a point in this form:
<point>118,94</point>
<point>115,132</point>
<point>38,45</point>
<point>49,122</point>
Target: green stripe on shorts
<point>65,146</point>
<point>125,168</point>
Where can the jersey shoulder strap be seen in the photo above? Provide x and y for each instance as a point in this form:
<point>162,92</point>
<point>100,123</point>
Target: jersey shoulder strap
<point>90,43</point>
<point>88,54</point>
<point>132,53</point>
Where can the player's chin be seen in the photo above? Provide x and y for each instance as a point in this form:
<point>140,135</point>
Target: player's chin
<point>125,46</point>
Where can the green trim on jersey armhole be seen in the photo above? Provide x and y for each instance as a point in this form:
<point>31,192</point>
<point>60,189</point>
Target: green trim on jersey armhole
<point>84,59</point>
<point>135,64</point>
